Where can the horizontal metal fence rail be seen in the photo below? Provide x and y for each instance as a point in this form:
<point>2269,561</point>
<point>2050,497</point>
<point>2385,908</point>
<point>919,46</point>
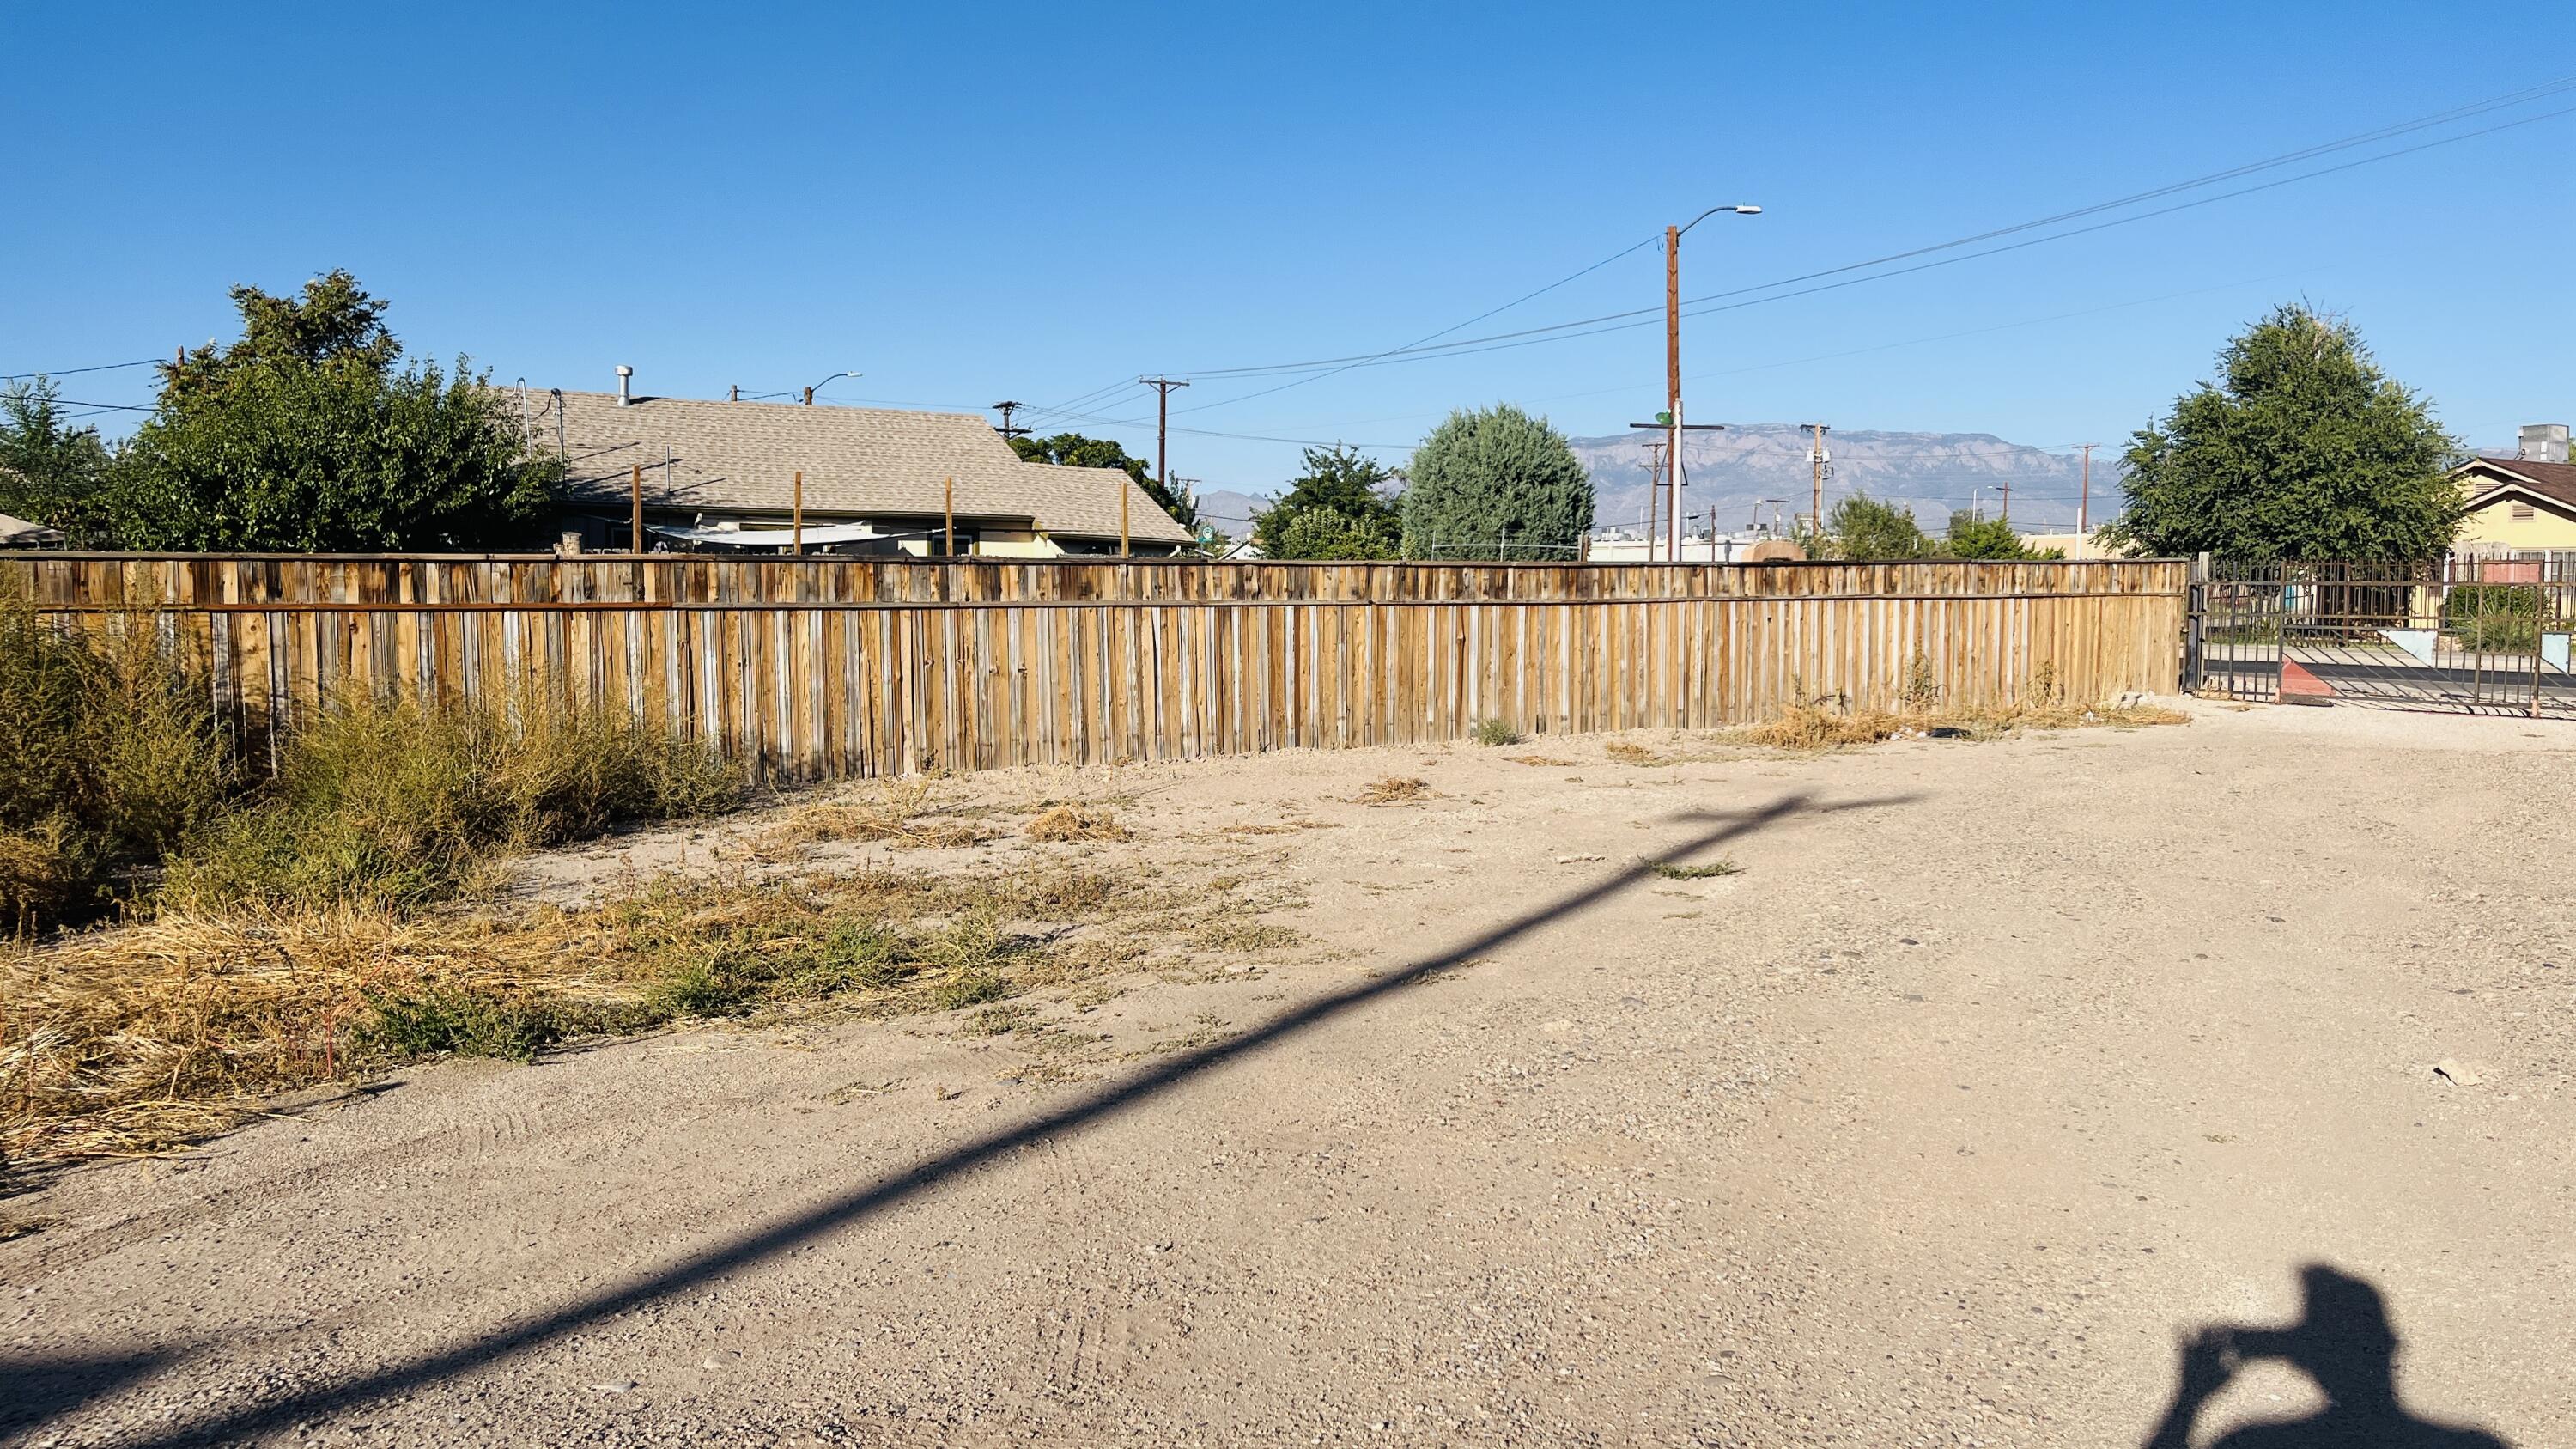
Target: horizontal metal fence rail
<point>821,668</point>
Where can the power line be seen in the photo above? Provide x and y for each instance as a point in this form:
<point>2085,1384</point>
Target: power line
<point>70,371</point>
<point>1591,326</point>
<point>1443,332</point>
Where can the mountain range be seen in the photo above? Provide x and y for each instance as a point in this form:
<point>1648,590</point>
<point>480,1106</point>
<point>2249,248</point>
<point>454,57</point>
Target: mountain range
<point>1741,471</point>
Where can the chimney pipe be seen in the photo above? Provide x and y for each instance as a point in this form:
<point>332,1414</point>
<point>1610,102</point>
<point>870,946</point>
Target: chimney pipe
<point>623,373</point>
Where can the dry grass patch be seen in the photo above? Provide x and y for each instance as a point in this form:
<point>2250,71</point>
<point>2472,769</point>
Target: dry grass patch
<point>1548,761</point>
<point>902,813</point>
<point>140,1039</point>
<point>1628,754</point>
<point>1070,822</point>
<point>1394,790</point>
<point>1815,727</point>
<point>1284,827</point>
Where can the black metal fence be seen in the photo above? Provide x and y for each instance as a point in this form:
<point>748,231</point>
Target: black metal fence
<point>2470,634</point>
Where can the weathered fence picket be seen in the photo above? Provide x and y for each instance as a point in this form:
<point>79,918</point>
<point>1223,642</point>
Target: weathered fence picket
<point>824,667</point>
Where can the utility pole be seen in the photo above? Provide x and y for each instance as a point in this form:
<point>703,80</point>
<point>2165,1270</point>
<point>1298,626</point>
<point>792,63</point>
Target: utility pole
<point>1673,378</point>
<point>2084,500</point>
<point>1672,418</point>
<point>2005,488</point>
<point>1654,466</point>
<point>1816,460</point>
<point>1006,409</point>
<point>1162,387</point>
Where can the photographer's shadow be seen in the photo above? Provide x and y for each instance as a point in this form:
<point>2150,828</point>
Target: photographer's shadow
<point>2343,1341</point>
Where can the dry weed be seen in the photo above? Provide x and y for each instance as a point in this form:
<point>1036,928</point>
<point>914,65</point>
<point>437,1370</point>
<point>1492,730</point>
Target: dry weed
<point>1394,790</point>
<point>1810,726</point>
<point>140,1039</point>
<point>1071,822</point>
<point>900,813</point>
<point>1547,761</point>
<point>1628,754</point>
<point>1284,827</point>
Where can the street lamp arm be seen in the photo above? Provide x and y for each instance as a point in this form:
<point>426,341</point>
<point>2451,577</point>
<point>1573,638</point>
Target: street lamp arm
<point>835,377</point>
<point>1714,210</point>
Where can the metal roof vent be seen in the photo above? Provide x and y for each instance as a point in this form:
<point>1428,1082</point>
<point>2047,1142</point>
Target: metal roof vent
<point>623,374</point>
<point>2543,443</point>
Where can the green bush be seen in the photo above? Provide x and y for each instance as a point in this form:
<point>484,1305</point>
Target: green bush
<point>467,1023</point>
<point>392,804</point>
<point>110,754</point>
<point>2492,616</point>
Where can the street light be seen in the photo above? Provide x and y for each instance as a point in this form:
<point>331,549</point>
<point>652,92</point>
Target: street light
<point>835,377</point>
<point>1673,369</point>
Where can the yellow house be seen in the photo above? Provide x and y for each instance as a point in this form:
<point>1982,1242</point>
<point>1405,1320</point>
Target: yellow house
<point>2524,504</point>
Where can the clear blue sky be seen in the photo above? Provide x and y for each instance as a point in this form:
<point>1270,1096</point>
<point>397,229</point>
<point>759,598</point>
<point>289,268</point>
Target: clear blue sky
<point>976,202</point>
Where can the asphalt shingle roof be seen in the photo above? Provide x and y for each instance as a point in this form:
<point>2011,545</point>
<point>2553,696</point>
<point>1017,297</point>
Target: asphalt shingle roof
<point>743,456</point>
<point>2549,480</point>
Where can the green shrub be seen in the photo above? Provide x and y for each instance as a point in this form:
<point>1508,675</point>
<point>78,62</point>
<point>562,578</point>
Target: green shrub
<point>110,754</point>
<point>2492,616</point>
<point>1496,732</point>
<point>463,1022</point>
<point>394,804</point>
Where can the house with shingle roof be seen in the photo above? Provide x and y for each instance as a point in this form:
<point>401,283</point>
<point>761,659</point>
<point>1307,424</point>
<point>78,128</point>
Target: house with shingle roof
<point>724,475</point>
<point>2525,504</point>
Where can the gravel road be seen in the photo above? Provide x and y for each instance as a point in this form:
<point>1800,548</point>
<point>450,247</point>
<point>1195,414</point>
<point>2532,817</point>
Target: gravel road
<point>1994,1070</point>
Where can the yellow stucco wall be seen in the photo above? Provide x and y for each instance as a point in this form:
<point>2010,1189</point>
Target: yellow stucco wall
<point>2495,526</point>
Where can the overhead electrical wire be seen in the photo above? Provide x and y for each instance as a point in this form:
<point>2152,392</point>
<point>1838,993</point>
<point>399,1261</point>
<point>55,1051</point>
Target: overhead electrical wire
<point>1591,326</point>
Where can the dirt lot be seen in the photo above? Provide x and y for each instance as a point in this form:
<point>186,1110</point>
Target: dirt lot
<point>1993,1069</point>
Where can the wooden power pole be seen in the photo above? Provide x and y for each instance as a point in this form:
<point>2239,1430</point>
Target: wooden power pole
<point>1162,387</point>
<point>1816,463</point>
<point>797,544</point>
<point>635,525</point>
<point>1672,388</point>
<point>2084,499</point>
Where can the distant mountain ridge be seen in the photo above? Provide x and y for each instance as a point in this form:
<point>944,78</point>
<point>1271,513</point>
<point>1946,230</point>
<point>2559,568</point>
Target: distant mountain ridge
<point>1736,471</point>
<point>1933,474</point>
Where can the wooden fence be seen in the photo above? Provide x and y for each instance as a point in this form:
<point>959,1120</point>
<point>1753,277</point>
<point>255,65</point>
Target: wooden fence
<point>823,667</point>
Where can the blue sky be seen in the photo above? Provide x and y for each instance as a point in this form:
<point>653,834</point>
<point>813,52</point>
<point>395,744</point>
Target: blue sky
<point>971,203</point>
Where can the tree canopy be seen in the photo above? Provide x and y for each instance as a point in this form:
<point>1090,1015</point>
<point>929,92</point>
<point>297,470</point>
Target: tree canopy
<point>1972,537</point>
<point>50,471</point>
<point>302,436</point>
<point>1324,532</point>
<point>1495,483</point>
<point>1344,482</point>
<point>1867,530</point>
<point>2303,448</point>
<point>1073,450</point>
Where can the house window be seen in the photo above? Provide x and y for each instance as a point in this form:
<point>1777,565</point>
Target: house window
<point>2522,513</point>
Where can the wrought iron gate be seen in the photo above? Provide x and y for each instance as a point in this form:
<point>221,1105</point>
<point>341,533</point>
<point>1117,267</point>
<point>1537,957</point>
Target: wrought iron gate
<point>2485,636</point>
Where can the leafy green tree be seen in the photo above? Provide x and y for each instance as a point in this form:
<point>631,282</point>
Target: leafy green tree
<point>1341,479</point>
<point>301,436</point>
<point>1322,532</point>
<point>50,472</point>
<point>1866,530</point>
<point>332,320</point>
<point>1492,482</point>
<point>2302,449</point>
<point>1073,450</point>
<point>1972,537</point>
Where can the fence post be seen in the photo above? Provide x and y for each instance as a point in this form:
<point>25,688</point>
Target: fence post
<point>2195,623</point>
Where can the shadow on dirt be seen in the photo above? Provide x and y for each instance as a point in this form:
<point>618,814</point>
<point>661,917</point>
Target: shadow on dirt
<point>864,1202</point>
<point>33,1390</point>
<point>2344,1342</point>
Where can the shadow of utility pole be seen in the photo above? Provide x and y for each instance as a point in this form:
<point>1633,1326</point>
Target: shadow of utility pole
<point>864,1202</point>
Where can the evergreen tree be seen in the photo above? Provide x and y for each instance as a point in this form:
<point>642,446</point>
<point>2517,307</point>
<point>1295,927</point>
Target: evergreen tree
<point>1496,482</point>
<point>2302,449</point>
